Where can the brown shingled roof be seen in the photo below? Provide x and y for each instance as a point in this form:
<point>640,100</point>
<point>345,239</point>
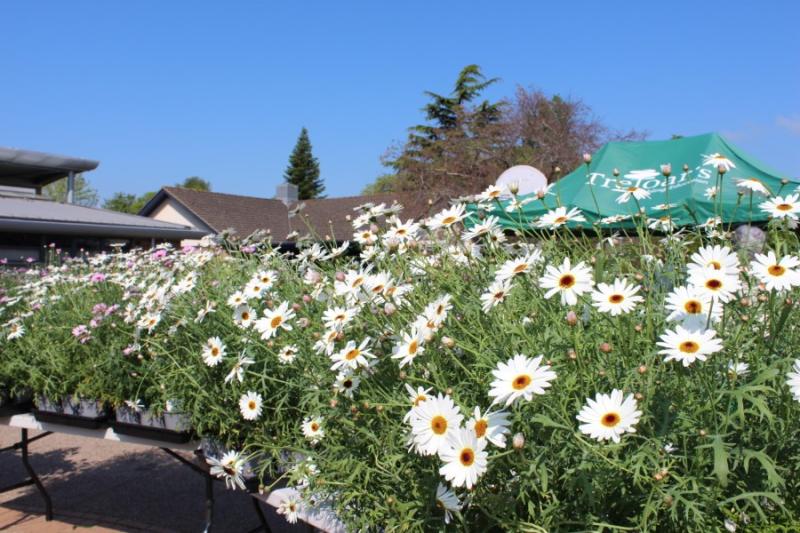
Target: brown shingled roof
<point>245,214</point>
<point>327,216</point>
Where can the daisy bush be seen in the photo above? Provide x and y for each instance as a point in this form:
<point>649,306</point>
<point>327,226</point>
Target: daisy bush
<point>444,373</point>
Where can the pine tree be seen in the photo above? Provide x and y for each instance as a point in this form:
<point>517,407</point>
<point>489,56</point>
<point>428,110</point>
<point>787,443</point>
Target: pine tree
<point>303,169</point>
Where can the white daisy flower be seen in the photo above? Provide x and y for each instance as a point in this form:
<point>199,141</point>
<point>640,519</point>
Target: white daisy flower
<point>237,372</point>
<point>267,278</point>
<point>431,423</point>
<point>616,298</point>
<point>716,257</point>
<point>518,266</point>
<point>352,356</point>
<point>312,429</point>
<point>448,217</point>
<point>409,347</point>
<point>715,283</point>
<point>336,318</point>
<point>608,416</point>
<point>776,275</point>
<point>738,369</point>
<point>230,468</point>
<point>555,218</point>
<point>289,508</point>
<point>15,331</point>
<point>711,192</point>
<point>273,320</point>
<point>688,346</point>
<point>717,160</point>
<point>149,321</point>
<point>346,383</point>
<point>492,192</point>
<point>516,203</point>
<point>495,294</point>
<point>288,354</point>
<point>492,426</point>
<point>794,380</point>
<point>417,396</point>
<point>244,316</point>
<point>483,228</point>
<point>236,299</point>
<point>327,343</point>
<point>447,501</point>
<point>631,192</point>
<point>464,457</point>
<point>520,377</point>
<point>210,307</point>
<point>664,223</point>
<point>250,405</point>
<point>254,289</point>
<point>214,351</point>
<point>691,307</point>
<point>752,185</point>
<point>566,280</point>
<point>782,207</point>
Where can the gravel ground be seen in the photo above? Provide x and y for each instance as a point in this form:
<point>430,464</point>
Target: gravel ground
<point>132,488</point>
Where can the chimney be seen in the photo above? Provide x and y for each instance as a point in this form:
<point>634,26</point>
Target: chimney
<point>286,193</point>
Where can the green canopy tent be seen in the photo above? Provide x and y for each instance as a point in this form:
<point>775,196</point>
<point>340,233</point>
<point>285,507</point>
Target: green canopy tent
<point>685,196</point>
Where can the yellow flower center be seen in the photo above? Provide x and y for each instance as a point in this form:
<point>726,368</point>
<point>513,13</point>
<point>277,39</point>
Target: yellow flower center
<point>560,220</point>
<point>314,426</point>
<point>467,457</point>
<point>251,405</point>
<point>275,322</point>
<point>215,351</point>
<point>616,298</point>
<point>245,316</point>
<point>776,270</point>
<point>439,424</point>
<point>688,347</point>
<point>413,347</point>
<point>714,284</point>
<point>352,354</point>
<point>632,189</point>
<point>610,420</point>
<point>480,427</point>
<point>783,207</point>
<point>419,399</point>
<point>692,307</point>
<point>521,381</point>
<point>716,265</point>
<point>448,220</point>
<point>520,268</point>
<point>566,281</point>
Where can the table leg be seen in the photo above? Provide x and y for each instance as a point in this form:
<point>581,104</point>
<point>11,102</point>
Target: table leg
<point>48,504</point>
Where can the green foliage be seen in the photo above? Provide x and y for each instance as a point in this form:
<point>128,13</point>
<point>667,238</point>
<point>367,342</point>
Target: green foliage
<point>303,169</point>
<point>195,183</point>
<point>383,184</point>
<point>84,193</point>
<point>711,444</point>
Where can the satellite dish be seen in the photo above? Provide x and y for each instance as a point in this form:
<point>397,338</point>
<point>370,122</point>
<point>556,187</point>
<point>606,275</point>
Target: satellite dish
<point>527,178</point>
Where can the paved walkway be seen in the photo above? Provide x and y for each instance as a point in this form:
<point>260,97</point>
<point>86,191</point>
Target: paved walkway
<point>109,486</point>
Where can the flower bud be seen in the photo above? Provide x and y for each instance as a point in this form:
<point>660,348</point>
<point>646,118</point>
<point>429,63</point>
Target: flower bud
<point>605,347</point>
<point>557,170</point>
<point>722,169</point>
<point>334,403</point>
<point>616,172</point>
<point>666,169</point>
<point>784,181</point>
<point>447,342</point>
<point>540,194</point>
<point>572,318</point>
<point>642,369</point>
<point>685,167</point>
<point>572,354</point>
<point>587,158</point>
<point>307,298</point>
<point>702,433</point>
<point>296,306</point>
<point>638,328</point>
<point>518,441</point>
<point>513,188</point>
<point>340,276</point>
<point>389,308</point>
<point>639,396</point>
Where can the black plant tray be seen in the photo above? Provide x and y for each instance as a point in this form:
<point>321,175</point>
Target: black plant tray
<point>84,422</point>
<point>15,408</point>
<point>152,433</point>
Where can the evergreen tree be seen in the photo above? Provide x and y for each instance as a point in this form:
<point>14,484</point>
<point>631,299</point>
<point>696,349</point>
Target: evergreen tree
<point>303,169</point>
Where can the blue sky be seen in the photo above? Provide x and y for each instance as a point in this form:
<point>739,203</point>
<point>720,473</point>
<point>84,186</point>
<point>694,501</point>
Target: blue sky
<point>161,90</point>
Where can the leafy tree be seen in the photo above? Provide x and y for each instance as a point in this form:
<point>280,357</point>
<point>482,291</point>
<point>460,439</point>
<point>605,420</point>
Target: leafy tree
<point>383,184</point>
<point>303,169</point>
<point>195,183</point>
<point>84,193</point>
<point>127,203</point>
<point>468,142</point>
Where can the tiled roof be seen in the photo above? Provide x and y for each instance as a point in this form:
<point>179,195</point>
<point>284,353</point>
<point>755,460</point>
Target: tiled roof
<point>245,214</point>
<point>326,218</point>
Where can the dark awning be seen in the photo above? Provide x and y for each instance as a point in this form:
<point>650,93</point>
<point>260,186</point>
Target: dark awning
<point>26,168</point>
